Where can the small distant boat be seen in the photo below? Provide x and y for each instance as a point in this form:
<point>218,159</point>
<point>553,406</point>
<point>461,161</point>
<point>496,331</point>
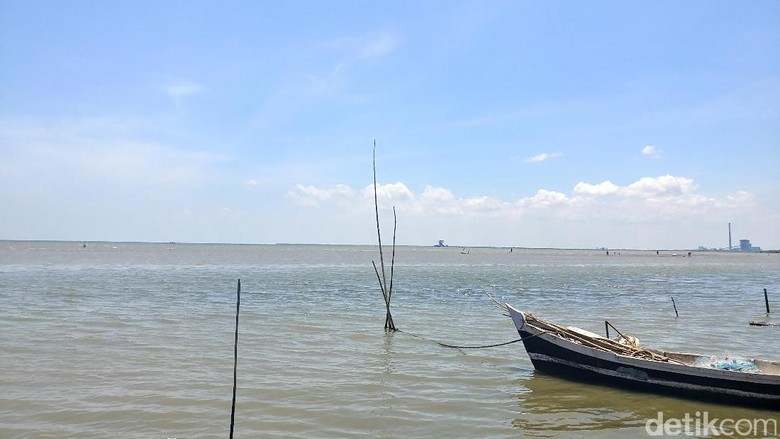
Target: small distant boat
<point>578,354</point>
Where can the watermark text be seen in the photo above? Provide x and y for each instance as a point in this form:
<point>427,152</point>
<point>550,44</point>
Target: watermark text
<point>701,424</point>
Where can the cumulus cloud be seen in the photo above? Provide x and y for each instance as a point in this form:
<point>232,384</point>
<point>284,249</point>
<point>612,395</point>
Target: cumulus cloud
<point>646,199</point>
<point>389,194</point>
<point>538,158</point>
<point>645,187</point>
<point>665,185</point>
<point>437,194</point>
<point>544,197</point>
<point>651,151</point>
<point>603,188</point>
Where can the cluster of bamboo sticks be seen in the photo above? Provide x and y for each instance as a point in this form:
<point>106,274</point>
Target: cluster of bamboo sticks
<point>387,288</point>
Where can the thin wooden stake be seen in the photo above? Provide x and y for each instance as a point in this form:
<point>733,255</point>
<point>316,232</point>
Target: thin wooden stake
<point>766,301</point>
<point>235,360</point>
<point>607,325</point>
<point>675,308</point>
<point>389,318</point>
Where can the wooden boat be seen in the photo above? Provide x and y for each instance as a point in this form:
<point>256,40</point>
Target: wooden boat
<point>577,354</point>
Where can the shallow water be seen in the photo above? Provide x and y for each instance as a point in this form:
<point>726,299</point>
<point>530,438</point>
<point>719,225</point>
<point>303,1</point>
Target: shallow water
<point>136,340</point>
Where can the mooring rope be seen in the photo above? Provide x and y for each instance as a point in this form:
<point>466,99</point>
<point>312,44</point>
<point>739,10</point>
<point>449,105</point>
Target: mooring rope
<point>446,345</point>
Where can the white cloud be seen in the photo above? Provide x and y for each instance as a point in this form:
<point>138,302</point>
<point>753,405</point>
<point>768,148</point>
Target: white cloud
<point>544,197</point>
<point>437,195</point>
<point>603,188</point>
<point>442,201</point>
<point>665,185</point>
<point>651,151</point>
<point>644,188</point>
<point>647,200</point>
<point>542,157</point>
<point>388,194</point>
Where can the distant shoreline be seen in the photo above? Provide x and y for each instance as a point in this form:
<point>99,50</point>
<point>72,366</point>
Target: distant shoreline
<point>454,246</point>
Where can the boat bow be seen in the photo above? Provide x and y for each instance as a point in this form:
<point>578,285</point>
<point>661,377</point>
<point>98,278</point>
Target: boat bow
<point>574,353</point>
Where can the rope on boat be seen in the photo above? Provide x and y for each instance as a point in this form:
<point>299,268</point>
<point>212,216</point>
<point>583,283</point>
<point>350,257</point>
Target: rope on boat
<point>604,344</point>
<point>601,344</point>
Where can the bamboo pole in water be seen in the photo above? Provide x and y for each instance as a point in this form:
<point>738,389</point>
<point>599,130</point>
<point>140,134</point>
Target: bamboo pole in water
<point>766,301</point>
<point>388,317</point>
<point>387,290</point>
<point>765,322</point>
<point>235,361</point>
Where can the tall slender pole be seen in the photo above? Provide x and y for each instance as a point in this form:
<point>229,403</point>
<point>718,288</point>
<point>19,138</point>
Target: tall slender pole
<point>378,232</point>
<point>389,318</point>
<point>729,236</point>
<point>766,301</point>
<point>235,360</point>
<point>675,308</point>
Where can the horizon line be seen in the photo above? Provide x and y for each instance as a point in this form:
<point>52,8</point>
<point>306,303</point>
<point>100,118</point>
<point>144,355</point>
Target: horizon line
<point>701,249</point>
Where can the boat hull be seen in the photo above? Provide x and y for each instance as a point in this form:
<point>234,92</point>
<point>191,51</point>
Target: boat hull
<point>557,356</point>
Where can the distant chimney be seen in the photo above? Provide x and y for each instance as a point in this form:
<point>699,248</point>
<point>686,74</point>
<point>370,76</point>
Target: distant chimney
<point>729,236</point>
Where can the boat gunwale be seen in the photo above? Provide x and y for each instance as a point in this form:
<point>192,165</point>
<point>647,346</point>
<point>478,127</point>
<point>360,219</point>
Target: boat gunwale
<point>768,377</point>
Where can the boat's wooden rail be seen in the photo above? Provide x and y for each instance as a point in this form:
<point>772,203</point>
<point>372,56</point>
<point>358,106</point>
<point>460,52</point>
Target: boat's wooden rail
<point>596,342</point>
<point>768,367</point>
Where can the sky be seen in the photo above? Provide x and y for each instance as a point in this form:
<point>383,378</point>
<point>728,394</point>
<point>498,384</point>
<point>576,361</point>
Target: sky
<point>647,125</point>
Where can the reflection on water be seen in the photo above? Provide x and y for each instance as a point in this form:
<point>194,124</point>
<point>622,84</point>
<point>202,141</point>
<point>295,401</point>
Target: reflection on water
<point>554,405</point>
<point>550,406</point>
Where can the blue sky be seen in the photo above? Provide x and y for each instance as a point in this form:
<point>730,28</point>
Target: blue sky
<point>506,123</point>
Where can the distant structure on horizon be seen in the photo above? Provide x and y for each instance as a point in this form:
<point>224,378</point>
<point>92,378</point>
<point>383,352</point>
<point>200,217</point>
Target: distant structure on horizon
<point>744,246</point>
<point>730,237</point>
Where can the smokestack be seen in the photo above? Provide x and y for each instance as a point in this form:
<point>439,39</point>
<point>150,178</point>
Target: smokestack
<point>729,236</point>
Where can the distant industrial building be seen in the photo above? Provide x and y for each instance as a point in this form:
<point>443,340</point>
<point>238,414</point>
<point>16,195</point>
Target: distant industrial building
<point>746,246</point>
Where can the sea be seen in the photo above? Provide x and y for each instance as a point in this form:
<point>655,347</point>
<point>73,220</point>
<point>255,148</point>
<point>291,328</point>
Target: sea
<point>136,340</point>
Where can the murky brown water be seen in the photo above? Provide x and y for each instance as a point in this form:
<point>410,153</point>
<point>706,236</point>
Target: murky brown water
<point>136,340</point>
